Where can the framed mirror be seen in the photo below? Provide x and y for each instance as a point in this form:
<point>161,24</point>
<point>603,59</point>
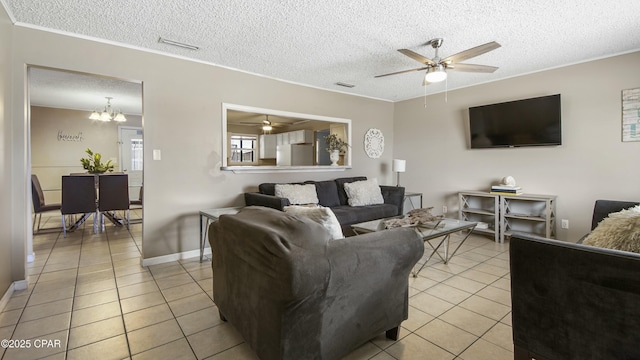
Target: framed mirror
<point>266,140</point>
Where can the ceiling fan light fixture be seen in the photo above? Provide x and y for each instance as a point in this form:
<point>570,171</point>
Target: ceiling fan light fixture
<point>435,74</point>
<point>266,124</point>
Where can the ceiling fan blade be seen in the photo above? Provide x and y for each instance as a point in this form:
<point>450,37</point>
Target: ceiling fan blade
<point>472,68</point>
<point>469,53</point>
<point>246,123</point>
<point>403,71</point>
<point>417,57</point>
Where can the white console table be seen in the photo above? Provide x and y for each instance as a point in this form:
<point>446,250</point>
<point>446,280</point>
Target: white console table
<point>504,214</point>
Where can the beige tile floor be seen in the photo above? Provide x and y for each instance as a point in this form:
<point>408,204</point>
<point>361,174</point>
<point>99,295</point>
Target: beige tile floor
<point>89,298</point>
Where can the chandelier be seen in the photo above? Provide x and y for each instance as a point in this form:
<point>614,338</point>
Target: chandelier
<point>108,114</point>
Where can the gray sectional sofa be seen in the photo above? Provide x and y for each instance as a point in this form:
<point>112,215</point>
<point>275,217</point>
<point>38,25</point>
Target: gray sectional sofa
<point>331,194</point>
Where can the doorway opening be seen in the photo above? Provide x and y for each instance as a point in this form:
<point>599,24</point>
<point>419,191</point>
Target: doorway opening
<point>60,105</point>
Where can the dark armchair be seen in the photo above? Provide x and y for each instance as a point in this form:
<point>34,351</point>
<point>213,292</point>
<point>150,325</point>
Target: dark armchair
<point>573,301</point>
<point>294,294</point>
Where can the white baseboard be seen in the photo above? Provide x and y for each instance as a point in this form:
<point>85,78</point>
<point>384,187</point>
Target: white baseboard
<point>16,285</point>
<point>174,257</point>
<point>6,297</point>
<point>20,285</point>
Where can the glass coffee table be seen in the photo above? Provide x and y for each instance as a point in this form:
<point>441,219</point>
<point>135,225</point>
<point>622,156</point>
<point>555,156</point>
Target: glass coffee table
<point>443,228</point>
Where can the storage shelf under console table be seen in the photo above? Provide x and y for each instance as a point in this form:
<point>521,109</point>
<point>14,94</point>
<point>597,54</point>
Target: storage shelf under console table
<point>504,214</point>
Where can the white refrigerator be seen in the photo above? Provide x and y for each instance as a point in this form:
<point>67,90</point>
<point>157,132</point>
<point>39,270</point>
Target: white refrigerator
<point>294,155</point>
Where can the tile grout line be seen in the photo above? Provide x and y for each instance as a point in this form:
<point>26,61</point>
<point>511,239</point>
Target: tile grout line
<point>24,307</point>
<point>456,305</point>
<point>172,312</point>
<point>115,280</point>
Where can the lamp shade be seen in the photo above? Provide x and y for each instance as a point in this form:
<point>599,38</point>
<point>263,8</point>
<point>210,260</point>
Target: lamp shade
<point>95,116</point>
<point>399,165</point>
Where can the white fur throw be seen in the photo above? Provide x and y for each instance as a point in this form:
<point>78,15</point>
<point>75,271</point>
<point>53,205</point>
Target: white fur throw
<point>362,193</point>
<point>322,215</point>
<point>619,231</point>
<point>297,194</point>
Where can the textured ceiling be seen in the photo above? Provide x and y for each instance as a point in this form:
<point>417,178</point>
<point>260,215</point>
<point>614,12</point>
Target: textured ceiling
<point>319,43</point>
<point>70,90</point>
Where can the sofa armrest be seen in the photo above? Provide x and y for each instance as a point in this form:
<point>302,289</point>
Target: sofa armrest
<point>374,256</point>
<point>368,291</point>
<point>393,195</point>
<point>258,199</point>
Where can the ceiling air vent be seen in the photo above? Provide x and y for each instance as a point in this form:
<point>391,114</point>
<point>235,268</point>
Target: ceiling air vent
<point>176,43</point>
<point>339,83</point>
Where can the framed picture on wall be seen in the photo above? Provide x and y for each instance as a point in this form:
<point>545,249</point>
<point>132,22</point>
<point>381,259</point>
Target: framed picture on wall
<point>631,114</point>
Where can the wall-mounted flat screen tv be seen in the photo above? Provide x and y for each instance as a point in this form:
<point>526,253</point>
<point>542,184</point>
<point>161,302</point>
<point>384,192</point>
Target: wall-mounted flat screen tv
<point>528,122</point>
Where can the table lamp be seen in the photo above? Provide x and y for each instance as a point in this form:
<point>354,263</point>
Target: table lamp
<point>399,166</point>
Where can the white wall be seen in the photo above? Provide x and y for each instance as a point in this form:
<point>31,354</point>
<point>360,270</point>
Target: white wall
<point>593,163</point>
<point>182,118</point>
<point>7,266</point>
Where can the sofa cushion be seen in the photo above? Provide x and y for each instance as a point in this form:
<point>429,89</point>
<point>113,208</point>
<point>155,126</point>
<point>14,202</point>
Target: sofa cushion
<point>267,189</point>
<point>619,231</point>
<point>297,194</point>
<point>322,215</point>
<point>270,188</point>
<point>327,192</point>
<point>348,215</point>
<point>342,195</point>
<point>363,193</point>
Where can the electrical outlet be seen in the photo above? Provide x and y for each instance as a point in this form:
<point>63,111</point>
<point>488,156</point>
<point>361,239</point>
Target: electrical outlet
<point>565,223</point>
<point>444,209</point>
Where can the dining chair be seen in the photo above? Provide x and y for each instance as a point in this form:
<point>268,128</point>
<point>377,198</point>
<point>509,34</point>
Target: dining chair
<point>39,203</point>
<point>136,204</point>
<point>78,197</point>
<point>137,201</point>
<point>113,195</point>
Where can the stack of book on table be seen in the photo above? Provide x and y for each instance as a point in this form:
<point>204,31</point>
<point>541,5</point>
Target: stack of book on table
<point>506,190</point>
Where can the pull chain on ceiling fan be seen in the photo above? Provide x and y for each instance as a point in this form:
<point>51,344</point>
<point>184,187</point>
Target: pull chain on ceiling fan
<point>437,68</point>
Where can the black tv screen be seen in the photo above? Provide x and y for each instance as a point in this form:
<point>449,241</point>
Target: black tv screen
<point>528,122</point>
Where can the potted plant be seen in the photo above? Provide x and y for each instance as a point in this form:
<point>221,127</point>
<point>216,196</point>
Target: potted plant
<point>93,163</point>
<point>335,147</point>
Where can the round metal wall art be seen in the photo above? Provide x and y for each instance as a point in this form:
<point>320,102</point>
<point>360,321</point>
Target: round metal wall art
<point>374,143</point>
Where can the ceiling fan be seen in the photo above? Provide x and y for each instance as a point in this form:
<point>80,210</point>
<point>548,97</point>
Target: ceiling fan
<point>266,122</point>
<point>437,67</point>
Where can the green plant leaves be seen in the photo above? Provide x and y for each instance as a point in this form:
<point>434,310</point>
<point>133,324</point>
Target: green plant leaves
<point>93,163</point>
<point>335,143</point>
